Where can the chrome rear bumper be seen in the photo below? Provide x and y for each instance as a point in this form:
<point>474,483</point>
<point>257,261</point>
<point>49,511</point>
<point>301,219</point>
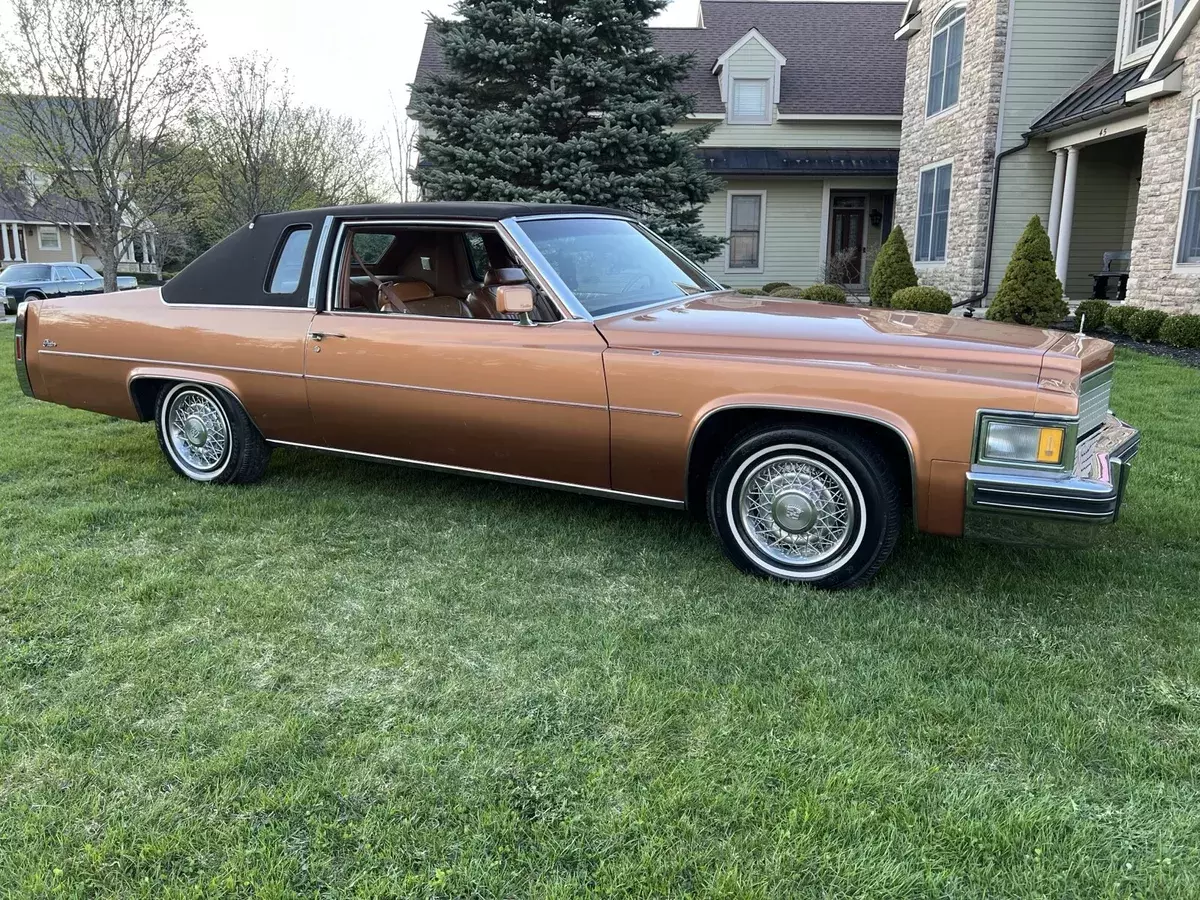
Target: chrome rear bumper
<point>1023,507</point>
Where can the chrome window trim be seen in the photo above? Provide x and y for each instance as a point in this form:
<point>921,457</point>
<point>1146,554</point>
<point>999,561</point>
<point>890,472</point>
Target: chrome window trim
<point>568,296</point>
<point>466,224</point>
<point>318,263</point>
<point>606,493</point>
<point>1017,417</point>
<point>301,309</point>
<point>22,364</point>
<point>912,456</point>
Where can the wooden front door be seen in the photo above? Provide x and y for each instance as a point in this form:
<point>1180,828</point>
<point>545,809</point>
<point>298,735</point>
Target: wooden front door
<point>847,238</point>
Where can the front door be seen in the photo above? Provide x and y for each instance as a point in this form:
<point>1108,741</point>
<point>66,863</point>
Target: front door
<point>490,396</point>
<point>847,238</point>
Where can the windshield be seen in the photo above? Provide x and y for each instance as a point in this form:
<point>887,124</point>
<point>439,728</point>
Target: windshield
<point>25,273</point>
<point>611,265</point>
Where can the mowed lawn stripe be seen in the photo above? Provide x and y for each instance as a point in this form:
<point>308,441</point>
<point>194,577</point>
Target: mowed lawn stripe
<point>359,680</point>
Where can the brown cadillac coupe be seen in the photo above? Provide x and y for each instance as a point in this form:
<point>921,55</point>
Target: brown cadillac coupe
<point>570,347</point>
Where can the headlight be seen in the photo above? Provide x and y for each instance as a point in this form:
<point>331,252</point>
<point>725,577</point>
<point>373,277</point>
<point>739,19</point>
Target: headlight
<point>1010,442</point>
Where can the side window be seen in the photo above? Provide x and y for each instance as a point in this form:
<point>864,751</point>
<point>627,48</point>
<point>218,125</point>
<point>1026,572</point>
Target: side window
<point>80,274</point>
<point>62,273</point>
<point>946,60</point>
<point>289,261</point>
<point>477,254</point>
<point>370,247</point>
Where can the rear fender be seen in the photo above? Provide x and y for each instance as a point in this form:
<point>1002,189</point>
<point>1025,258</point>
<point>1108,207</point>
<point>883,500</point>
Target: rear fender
<point>143,401</point>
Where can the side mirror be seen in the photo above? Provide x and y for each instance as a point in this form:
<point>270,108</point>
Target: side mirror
<point>515,298</point>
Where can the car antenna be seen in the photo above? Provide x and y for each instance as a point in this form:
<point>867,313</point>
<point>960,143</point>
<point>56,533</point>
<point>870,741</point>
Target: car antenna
<point>254,221</point>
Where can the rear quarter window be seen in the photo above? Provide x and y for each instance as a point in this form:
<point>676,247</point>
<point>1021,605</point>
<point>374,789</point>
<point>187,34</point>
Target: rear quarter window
<point>288,268</point>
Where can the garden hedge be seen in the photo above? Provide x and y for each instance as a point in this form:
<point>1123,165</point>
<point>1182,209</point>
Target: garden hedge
<point>789,293</point>
<point>923,299</point>
<point>1144,324</point>
<point>1117,318</point>
<point>771,286</point>
<point>1093,314</point>
<point>1181,331</point>
<point>823,293</point>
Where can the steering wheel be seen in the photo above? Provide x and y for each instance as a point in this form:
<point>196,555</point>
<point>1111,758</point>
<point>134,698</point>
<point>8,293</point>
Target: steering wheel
<point>632,283</point>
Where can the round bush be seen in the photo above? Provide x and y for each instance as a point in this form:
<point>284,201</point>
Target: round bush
<point>1181,331</point>
<point>789,293</point>
<point>752,292</point>
<point>824,293</point>
<point>1117,318</point>
<point>772,286</point>
<point>1144,324</point>
<point>1094,314</point>
<point>923,299</point>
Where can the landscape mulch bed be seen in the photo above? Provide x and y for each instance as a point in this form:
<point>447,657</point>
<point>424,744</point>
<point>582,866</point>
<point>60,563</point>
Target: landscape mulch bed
<point>1187,356</point>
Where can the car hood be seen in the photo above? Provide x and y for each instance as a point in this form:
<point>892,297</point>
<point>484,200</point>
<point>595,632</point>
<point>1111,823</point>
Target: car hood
<point>737,325</point>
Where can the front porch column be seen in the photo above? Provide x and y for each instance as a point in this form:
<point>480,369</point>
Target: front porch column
<point>4,237</point>
<point>1060,176</point>
<point>1067,220</point>
<point>16,236</point>
<point>147,255</point>
<point>153,250</point>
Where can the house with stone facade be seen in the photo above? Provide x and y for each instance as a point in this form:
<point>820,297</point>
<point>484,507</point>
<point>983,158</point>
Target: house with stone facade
<point>1082,112</point>
<point>806,97</point>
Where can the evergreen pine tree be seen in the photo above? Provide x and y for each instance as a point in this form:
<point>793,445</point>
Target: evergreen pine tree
<point>893,270</point>
<point>564,101</point>
<point>1030,293</point>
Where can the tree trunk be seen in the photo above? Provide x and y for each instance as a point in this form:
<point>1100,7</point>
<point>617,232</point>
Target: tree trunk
<point>108,257</point>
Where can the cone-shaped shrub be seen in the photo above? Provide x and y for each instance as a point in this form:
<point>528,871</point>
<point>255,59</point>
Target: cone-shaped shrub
<point>1030,293</point>
<point>893,270</point>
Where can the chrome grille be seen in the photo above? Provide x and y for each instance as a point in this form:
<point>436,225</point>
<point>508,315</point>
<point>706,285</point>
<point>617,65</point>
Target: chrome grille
<point>1094,400</point>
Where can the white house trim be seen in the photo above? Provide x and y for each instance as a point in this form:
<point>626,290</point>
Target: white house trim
<point>721,68</point>
<point>1105,131</point>
<point>1171,43</point>
<point>1184,268</point>
<point>817,117</point>
<point>762,231</point>
<point>1171,83</point>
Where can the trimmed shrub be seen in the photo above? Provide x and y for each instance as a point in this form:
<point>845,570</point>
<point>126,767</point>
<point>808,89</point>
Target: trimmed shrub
<point>1030,293</point>
<point>1145,324</point>
<point>923,299</point>
<point>752,292</point>
<point>893,270</point>
<point>1093,313</point>
<point>789,293</point>
<point>1117,318</point>
<point>823,293</point>
<point>1181,331</point>
<point>772,286</point>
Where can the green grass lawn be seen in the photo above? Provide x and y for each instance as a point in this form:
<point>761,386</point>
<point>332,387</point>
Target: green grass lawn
<point>366,681</point>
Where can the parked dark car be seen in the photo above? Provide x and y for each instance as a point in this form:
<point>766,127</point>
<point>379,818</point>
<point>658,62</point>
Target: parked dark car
<point>37,281</point>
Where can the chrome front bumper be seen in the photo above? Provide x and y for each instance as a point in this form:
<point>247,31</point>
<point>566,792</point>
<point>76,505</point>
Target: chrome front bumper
<point>1024,507</point>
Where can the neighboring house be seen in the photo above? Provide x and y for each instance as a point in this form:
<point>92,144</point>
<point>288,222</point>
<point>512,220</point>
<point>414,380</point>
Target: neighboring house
<point>807,97</point>
<point>1082,112</point>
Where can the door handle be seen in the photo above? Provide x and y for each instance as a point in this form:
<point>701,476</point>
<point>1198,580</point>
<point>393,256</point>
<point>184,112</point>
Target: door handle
<point>319,336</point>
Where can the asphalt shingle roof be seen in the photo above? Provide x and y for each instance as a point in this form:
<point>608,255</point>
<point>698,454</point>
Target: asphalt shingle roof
<point>842,57</point>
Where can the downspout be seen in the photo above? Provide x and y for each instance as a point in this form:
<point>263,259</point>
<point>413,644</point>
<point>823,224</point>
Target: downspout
<point>972,302</point>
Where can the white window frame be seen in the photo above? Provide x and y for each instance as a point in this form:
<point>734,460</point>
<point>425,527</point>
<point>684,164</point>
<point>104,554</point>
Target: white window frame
<point>1186,268</point>
<point>1129,56</point>
<point>933,263</point>
<point>768,102</point>
<point>950,15</point>
<point>45,231</point>
<point>762,232</point>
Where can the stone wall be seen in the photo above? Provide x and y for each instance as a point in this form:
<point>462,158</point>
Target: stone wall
<point>966,134</point>
<point>1154,279</point>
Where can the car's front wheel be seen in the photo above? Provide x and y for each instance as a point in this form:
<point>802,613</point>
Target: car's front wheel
<point>207,436</point>
<point>804,505</point>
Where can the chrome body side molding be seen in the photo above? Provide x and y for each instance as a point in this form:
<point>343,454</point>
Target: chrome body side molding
<point>491,476</point>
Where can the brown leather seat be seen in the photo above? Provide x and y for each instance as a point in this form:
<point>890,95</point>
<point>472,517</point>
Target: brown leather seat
<point>415,298</point>
<point>483,302</point>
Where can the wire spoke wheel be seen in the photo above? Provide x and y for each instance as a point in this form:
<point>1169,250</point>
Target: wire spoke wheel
<point>197,431</point>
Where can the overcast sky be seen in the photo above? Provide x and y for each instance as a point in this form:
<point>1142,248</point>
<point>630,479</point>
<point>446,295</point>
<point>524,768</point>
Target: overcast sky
<point>345,55</point>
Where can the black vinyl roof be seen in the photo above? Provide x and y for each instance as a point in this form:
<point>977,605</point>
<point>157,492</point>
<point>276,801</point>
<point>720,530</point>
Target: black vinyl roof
<point>737,161</point>
<point>1101,94</point>
<point>478,211</point>
<point>842,57</point>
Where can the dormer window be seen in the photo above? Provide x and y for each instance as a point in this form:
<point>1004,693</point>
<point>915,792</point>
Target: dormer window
<point>750,102</point>
<point>946,60</point>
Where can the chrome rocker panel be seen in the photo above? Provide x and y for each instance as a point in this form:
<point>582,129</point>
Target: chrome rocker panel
<point>1022,507</point>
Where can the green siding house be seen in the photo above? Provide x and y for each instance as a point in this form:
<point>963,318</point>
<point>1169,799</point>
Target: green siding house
<point>807,101</point>
<point>1082,112</point>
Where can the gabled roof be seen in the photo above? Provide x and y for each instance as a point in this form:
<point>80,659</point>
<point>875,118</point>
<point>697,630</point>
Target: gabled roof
<point>842,59</point>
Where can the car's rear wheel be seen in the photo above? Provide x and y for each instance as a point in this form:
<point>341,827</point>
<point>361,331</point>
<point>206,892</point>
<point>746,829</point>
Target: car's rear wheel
<point>206,435</point>
<point>804,505</point>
